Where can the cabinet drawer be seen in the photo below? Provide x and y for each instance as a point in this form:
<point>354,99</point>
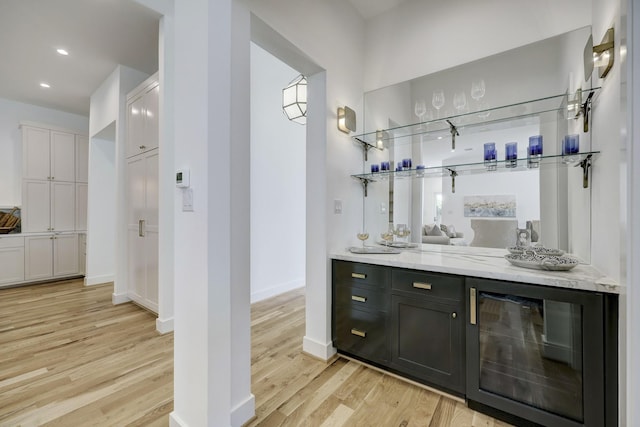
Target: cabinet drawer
<point>428,284</point>
<point>11,242</point>
<point>354,272</point>
<point>362,333</point>
<point>366,297</point>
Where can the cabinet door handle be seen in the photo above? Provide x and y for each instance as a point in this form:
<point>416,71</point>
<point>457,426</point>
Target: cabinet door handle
<point>358,276</point>
<point>454,315</point>
<point>419,285</point>
<point>358,298</point>
<point>142,147</point>
<point>52,178</point>
<point>141,227</point>
<point>358,332</point>
<point>472,306</point>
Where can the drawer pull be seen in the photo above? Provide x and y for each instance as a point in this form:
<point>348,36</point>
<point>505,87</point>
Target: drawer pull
<point>358,298</point>
<point>359,333</point>
<point>472,306</point>
<point>419,285</point>
<point>358,276</point>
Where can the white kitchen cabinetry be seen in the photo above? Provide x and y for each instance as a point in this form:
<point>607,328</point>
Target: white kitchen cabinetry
<point>48,206</point>
<point>142,117</point>
<point>48,154</point>
<point>142,229</point>
<point>50,256</point>
<point>11,259</point>
<point>82,158</point>
<point>81,206</point>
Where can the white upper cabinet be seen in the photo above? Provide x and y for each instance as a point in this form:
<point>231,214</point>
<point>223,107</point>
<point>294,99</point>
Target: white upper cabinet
<point>143,117</point>
<point>48,154</point>
<point>35,153</point>
<point>82,158</point>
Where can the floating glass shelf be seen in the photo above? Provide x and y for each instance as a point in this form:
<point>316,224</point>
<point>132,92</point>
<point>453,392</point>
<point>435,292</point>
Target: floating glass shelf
<point>519,114</point>
<point>577,159</point>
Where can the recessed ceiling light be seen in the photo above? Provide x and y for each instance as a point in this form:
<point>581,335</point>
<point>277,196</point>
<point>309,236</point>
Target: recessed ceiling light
<point>62,52</point>
<point>45,85</point>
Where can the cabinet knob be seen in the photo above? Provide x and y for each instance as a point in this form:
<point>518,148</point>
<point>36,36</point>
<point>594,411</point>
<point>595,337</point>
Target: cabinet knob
<point>454,315</point>
<point>52,178</point>
<point>142,147</point>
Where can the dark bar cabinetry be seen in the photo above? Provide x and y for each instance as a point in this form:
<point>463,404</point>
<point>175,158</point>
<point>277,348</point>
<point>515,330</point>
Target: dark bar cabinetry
<point>524,353</point>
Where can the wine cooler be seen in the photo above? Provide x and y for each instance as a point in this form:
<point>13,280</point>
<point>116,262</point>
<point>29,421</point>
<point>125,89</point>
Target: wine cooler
<point>537,355</point>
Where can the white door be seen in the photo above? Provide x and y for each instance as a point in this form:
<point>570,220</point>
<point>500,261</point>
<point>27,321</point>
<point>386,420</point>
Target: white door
<point>63,206</point>
<point>65,254</point>
<point>36,206</point>
<point>38,257</point>
<point>136,275</point>
<point>63,154</point>
<point>35,153</point>
<point>135,127</point>
<point>152,124</point>
<point>151,227</point>
<point>82,158</point>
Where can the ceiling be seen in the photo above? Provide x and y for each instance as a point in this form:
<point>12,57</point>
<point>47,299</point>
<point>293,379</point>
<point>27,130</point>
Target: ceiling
<point>98,34</point>
<point>370,8</point>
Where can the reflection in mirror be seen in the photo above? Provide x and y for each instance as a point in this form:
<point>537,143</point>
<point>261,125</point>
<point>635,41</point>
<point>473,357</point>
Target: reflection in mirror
<point>486,208</point>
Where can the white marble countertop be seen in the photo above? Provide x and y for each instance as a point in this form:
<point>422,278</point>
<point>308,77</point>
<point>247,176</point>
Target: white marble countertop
<point>485,263</point>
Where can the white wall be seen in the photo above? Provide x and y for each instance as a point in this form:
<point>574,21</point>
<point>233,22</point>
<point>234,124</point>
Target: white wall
<point>421,37</point>
<point>277,169</point>
<point>11,114</point>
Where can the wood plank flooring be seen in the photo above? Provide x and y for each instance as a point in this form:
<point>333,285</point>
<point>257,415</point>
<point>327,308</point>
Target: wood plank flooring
<point>68,357</point>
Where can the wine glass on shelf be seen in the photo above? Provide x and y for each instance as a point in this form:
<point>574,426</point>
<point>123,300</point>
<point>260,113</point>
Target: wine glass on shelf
<point>437,100</point>
<point>363,236</point>
<point>459,102</point>
<point>477,89</point>
<point>420,109</point>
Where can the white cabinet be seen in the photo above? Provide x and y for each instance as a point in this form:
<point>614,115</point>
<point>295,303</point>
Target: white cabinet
<point>82,158</point>
<point>142,117</point>
<point>142,229</point>
<point>11,259</point>
<point>48,154</point>
<point>48,206</point>
<point>82,253</point>
<point>81,206</point>
<point>50,256</point>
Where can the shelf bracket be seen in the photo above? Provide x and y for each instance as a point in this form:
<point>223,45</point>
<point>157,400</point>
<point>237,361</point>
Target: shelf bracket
<point>453,174</point>
<point>365,148</point>
<point>454,132</point>
<point>365,183</point>
<point>585,164</point>
<point>584,110</point>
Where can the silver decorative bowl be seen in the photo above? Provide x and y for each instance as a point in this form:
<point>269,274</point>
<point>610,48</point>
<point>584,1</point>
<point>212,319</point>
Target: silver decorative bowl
<point>542,262</point>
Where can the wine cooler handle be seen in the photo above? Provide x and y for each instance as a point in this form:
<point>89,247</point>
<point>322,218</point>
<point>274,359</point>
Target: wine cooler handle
<point>472,306</point>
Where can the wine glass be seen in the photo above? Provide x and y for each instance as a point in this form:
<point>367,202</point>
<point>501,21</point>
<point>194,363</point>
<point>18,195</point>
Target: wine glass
<point>387,237</point>
<point>363,236</point>
<point>438,100</point>
<point>477,89</point>
<point>420,109</point>
<point>459,101</point>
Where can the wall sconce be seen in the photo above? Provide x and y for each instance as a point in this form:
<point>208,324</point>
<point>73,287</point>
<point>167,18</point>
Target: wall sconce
<point>294,100</point>
<point>600,56</point>
<point>346,119</point>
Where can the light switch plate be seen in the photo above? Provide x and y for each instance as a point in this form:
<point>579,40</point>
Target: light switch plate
<point>187,200</point>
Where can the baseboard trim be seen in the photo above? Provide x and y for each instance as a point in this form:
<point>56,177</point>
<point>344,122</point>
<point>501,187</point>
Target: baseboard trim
<point>244,411</point>
<point>120,299</point>
<point>175,421</point>
<point>98,280</point>
<point>318,350</point>
<point>276,290</point>
<point>164,326</point>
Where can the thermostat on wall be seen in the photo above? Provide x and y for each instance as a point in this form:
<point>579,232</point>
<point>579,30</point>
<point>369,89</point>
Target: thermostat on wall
<point>182,178</point>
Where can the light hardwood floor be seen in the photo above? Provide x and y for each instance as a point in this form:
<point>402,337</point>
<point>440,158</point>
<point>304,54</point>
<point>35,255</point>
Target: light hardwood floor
<point>68,357</point>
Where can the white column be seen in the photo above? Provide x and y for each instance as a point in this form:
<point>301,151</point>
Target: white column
<point>211,350</point>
